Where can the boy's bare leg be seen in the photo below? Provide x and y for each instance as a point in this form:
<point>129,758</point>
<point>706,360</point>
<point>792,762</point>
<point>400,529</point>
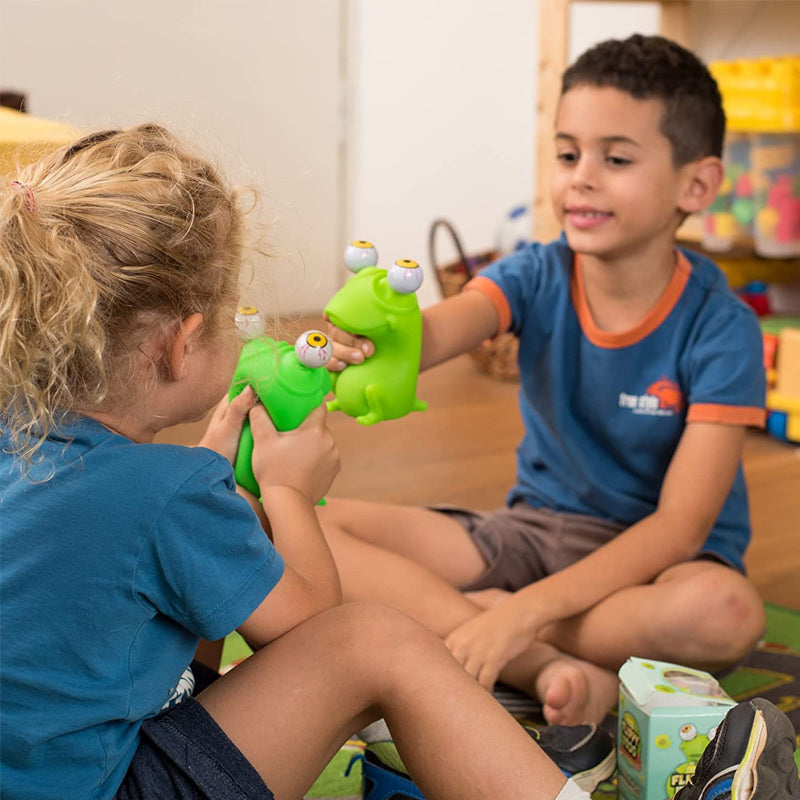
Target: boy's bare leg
<point>699,613</point>
<point>381,566</point>
<point>291,705</point>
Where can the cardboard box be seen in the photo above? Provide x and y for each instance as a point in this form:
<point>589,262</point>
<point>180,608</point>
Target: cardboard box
<point>667,715</point>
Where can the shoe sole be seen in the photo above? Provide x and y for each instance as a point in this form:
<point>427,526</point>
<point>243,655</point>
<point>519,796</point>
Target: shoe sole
<point>768,769</point>
<point>590,779</point>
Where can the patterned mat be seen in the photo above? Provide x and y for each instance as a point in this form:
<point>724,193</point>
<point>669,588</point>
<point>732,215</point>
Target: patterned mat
<point>771,671</point>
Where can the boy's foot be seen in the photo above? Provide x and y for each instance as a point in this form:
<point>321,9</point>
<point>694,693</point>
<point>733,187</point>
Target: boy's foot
<point>582,752</point>
<point>750,758</point>
<point>575,692</point>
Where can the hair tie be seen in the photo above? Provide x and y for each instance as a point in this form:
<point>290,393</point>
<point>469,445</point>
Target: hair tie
<point>28,189</point>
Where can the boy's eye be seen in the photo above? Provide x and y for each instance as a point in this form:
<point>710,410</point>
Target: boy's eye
<point>567,157</point>
<point>618,161</point>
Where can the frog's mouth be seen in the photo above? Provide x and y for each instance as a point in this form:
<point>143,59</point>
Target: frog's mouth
<point>349,326</point>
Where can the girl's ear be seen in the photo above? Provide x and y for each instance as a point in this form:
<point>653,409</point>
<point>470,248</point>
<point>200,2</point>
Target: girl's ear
<point>701,183</point>
<point>182,345</point>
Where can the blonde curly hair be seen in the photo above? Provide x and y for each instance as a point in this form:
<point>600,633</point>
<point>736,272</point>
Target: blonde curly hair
<point>102,241</point>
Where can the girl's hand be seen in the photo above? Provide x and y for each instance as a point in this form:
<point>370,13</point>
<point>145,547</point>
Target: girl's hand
<point>305,459</point>
<point>486,643</point>
<point>347,349</point>
<point>225,427</point>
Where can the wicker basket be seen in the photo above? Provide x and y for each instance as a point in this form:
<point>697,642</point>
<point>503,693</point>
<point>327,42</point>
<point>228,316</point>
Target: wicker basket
<point>496,357</point>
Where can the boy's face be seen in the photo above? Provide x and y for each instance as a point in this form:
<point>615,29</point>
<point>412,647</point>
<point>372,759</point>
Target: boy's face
<point>615,190</point>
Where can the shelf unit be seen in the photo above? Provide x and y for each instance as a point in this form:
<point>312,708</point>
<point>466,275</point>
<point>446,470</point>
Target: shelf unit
<point>554,28</point>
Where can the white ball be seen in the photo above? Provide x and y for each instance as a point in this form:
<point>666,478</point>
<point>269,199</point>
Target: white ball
<point>514,230</point>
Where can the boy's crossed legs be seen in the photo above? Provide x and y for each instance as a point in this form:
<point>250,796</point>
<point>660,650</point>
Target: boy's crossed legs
<point>699,613</point>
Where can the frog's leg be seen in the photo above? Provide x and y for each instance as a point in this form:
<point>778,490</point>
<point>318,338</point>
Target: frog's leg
<point>372,394</point>
<point>334,405</point>
<point>419,405</point>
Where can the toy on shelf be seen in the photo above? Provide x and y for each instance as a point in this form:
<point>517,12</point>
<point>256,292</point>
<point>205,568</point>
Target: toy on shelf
<point>382,306</point>
<point>289,380</point>
<point>782,363</point>
<point>761,191</point>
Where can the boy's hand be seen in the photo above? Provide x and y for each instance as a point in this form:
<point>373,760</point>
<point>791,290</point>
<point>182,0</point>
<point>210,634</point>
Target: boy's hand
<point>304,459</point>
<point>225,427</point>
<point>486,643</point>
<point>347,349</point>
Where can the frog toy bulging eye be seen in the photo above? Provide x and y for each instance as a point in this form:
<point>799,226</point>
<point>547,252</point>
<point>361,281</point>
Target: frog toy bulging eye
<point>313,349</point>
<point>405,276</point>
<point>360,254</point>
<point>688,732</point>
<point>249,323</point>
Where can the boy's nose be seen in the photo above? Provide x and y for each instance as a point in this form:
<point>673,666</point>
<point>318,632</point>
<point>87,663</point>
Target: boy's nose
<point>584,176</point>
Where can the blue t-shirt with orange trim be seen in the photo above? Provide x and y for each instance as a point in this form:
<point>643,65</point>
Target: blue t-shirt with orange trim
<point>604,412</point>
<point>114,563</point>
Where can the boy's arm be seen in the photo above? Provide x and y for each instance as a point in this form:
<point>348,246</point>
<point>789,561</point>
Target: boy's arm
<point>449,328</point>
<point>694,490</point>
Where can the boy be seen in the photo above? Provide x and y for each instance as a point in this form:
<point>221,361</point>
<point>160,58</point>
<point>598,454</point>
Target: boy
<point>640,372</point>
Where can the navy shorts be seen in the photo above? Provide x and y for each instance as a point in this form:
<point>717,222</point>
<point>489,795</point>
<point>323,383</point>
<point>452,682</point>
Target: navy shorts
<point>184,755</point>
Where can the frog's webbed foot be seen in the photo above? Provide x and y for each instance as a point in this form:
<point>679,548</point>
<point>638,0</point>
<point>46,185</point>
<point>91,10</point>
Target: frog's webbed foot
<point>372,394</point>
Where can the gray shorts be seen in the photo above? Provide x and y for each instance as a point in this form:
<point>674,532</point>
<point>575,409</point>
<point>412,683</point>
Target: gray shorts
<point>522,544</point>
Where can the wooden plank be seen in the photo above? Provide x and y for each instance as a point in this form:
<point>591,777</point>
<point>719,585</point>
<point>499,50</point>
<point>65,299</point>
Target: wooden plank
<point>553,49</point>
<point>675,20</point>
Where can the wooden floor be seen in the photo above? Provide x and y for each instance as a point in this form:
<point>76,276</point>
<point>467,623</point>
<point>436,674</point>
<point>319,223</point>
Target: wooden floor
<point>461,450</point>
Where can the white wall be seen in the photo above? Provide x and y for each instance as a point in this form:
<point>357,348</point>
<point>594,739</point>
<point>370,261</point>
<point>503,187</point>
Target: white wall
<point>440,102</point>
<point>255,81</point>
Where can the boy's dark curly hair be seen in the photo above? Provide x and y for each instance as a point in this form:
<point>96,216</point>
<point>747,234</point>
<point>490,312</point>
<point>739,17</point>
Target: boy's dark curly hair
<point>652,67</point>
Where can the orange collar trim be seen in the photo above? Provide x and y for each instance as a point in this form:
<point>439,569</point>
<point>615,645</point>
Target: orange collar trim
<point>651,321</point>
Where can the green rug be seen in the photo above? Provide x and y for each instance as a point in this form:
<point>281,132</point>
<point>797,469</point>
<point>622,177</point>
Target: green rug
<point>772,671</point>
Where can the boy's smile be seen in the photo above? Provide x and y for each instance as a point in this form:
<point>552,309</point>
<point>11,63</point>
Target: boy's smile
<point>615,189</point>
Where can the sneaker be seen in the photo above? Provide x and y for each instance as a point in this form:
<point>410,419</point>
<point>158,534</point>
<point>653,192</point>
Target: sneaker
<point>582,752</point>
<point>750,758</point>
<point>385,775</point>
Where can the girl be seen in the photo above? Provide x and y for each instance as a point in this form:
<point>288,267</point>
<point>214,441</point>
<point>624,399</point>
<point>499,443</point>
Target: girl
<point>119,261</point>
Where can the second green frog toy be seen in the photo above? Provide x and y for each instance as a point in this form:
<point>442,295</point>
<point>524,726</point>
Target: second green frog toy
<point>380,305</point>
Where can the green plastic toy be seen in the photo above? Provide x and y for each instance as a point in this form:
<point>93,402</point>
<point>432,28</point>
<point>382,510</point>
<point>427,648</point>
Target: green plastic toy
<point>380,305</point>
<point>286,378</point>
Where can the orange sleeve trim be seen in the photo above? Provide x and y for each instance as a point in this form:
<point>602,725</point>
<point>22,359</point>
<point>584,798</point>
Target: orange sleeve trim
<point>489,288</point>
<point>730,415</point>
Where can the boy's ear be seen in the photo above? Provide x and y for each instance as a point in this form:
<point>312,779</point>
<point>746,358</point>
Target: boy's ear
<point>702,181</point>
<point>181,346</point>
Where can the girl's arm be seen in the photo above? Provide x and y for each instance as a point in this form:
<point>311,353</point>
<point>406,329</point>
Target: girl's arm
<point>294,470</point>
<point>449,328</point>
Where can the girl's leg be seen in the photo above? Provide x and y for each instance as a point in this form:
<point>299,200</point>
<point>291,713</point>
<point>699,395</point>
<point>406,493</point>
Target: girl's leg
<point>291,705</point>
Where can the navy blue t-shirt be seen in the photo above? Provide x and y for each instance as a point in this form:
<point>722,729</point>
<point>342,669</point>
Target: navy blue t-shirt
<point>604,412</point>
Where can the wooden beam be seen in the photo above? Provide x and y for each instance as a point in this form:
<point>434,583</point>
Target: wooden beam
<point>675,21</point>
<point>553,49</point>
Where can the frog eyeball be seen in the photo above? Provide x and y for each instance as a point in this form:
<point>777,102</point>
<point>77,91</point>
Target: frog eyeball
<point>405,276</point>
<point>688,732</point>
<point>249,323</point>
<point>360,254</point>
<point>313,348</point>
